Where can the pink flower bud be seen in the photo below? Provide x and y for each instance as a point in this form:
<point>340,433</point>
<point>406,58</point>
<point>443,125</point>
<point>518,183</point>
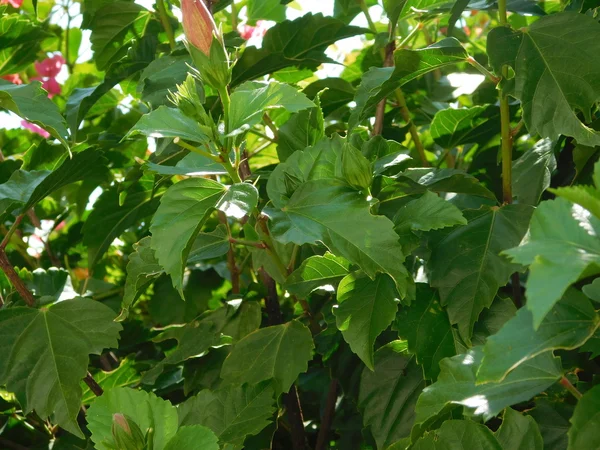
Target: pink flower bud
<point>120,420</point>
<point>198,24</point>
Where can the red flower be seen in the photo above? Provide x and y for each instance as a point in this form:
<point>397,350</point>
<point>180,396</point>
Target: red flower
<point>13,3</point>
<point>35,129</point>
<point>198,24</point>
<point>50,84</point>
<point>248,31</point>
<point>50,67</point>
<point>13,78</point>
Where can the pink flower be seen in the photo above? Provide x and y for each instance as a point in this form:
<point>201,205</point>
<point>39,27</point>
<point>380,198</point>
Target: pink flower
<point>50,67</point>
<point>50,84</point>
<point>248,31</point>
<point>13,78</point>
<point>198,24</point>
<point>13,3</point>
<point>35,129</point>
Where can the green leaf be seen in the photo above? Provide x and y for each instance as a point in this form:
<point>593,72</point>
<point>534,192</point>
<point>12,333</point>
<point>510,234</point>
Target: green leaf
<point>110,218</point>
<point>365,309</point>
<point>15,29</point>
<point>420,180</point>
<point>456,385</point>
<point>193,340</point>
<point>209,245</point>
<point>82,100</point>
<point>571,322</point>
<point>585,421</point>
<point>113,26</point>
<point>194,436</point>
<point>142,269</point>
<point>232,412</point>
<point>347,10</point>
<point>250,100</point>
<point>315,272</point>
<point>452,127</point>
<point>145,408</point>
<point>266,9</point>
<point>182,212</point>
<point>409,6</point>
<point>457,9</point>
<point>428,212</point>
<point>558,233</point>
<point>466,264</point>
<point>26,189</point>
<point>592,290</point>
<point>19,188</point>
<point>426,327</point>
<point>553,420</point>
<point>378,83</point>
<point>279,352</point>
<point>519,432</point>
<point>333,93</point>
<point>585,196</point>
<point>532,172</point>
<point>47,354</point>
<point>31,102</point>
<point>238,200</point>
<point>493,319</point>
<point>192,164</point>
<point>235,320</point>
<point>387,395</point>
<point>459,435</point>
<point>555,62</point>
<point>301,42</point>
<point>159,78</point>
<point>302,130</point>
<point>166,122</point>
<point>319,162</point>
<point>123,376</point>
<point>320,211</point>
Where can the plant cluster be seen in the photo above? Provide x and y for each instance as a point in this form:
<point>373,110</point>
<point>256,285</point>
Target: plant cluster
<point>208,244</point>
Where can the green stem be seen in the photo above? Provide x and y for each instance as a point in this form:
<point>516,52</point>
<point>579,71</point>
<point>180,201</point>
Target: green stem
<point>164,18</point>
<point>410,35</point>
<point>11,231</point>
<point>271,126</point>
<point>483,70</point>
<point>261,135</point>
<point>564,381</point>
<point>225,100</point>
<point>365,10</point>
<point>502,12</point>
<point>247,243</point>
<point>414,133</point>
<point>191,148</point>
<point>266,237</point>
<point>505,131</point>
<point>234,16</point>
<point>231,170</point>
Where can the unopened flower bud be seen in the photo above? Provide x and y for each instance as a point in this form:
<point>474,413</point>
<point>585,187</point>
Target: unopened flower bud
<point>198,24</point>
<point>356,169</point>
<point>126,433</point>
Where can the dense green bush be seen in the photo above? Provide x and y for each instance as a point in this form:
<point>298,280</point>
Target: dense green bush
<point>374,229</point>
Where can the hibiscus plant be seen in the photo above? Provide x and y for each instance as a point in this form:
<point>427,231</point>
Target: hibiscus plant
<point>275,224</point>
